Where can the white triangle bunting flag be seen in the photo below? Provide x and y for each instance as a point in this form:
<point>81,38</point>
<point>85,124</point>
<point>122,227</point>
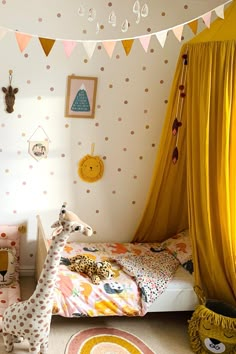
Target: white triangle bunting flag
<point>89,48</point>
<point>178,32</point>
<point>161,36</point>
<point>220,11</point>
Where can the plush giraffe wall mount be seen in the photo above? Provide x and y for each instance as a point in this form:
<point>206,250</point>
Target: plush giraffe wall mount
<point>10,93</point>
<point>31,319</point>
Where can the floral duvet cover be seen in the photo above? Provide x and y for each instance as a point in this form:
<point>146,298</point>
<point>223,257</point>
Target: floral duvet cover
<point>141,274</point>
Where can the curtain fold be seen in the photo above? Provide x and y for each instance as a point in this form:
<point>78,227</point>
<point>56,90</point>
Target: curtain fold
<point>166,208</point>
<point>199,191</point>
<point>211,165</point>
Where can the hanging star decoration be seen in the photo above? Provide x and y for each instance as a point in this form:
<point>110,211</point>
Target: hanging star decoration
<point>177,123</point>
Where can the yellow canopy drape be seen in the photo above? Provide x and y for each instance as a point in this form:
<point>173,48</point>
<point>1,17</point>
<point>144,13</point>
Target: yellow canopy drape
<point>199,192</point>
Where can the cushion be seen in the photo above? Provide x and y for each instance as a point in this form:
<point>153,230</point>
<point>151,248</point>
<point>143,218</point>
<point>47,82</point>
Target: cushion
<point>7,266</point>
<point>10,237</point>
<point>180,246</point>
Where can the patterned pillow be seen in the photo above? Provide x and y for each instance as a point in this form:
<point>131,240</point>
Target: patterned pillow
<point>7,266</point>
<point>180,246</point>
<point>10,237</point>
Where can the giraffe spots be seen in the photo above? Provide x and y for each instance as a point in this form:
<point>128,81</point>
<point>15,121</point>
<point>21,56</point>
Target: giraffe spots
<point>29,315</point>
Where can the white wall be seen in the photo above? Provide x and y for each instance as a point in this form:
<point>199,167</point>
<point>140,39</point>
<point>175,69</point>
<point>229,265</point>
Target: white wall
<point>126,136</point>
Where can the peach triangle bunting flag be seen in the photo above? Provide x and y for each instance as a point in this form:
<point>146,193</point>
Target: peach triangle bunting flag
<point>161,36</point>
<point>46,44</point>
<point>22,40</point>
<point>220,11</point>
<point>178,32</point>
<point>193,25</point>
<point>3,32</point>
<point>207,19</point>
<point>89,48</point>
<point>145,42</point>
<point>69,46</point>
<point>127,44</point>
<point>109,46</point>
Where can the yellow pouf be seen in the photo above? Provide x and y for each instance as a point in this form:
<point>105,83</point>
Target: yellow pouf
<point>212,328</point>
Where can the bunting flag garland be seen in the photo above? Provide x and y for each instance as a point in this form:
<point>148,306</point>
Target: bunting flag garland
<point>161,36</point>
<point>207,19</point>
<point>145,42</point>
<point>47,44</point>
<point>193,25</point>
<point>178,32</point>
<point>69,46</point>
<point>127,44</point>
<point>109,47</point>
<point>23,39</point>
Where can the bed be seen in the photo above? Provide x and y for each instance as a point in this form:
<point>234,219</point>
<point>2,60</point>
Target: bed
<point>148,277</point>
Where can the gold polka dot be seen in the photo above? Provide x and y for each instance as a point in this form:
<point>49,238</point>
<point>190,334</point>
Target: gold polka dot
<point>185,7</point>
<point>88,191</point>
<point>163,14</point>
<point>85,61</point>
<point>102,27</point>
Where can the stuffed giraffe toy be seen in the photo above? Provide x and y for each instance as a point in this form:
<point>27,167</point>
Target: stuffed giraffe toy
<point>31,319</point>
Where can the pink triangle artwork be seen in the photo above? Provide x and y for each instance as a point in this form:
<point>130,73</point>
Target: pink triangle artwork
<point>31,319</point>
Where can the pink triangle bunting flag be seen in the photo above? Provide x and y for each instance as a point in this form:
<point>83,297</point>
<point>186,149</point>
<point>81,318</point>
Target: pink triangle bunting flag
<point>178,32</point>
<point>22,40</point>
<point>69,46</point>
<point>145,42</point>
<point>207,19</point>
<point>109,46</point>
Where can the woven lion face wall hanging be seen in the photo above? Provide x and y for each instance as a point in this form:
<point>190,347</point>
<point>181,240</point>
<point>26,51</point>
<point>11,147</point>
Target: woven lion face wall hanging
<point>90,168</point>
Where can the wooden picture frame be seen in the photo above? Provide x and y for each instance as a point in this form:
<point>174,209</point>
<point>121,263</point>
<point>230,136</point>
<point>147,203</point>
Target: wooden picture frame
<point>81,96</point>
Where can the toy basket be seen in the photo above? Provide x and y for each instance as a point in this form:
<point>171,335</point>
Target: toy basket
<point>212,328</point>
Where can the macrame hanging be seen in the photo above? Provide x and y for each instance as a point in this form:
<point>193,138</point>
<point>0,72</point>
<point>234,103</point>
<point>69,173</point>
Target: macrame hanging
<point>38,148</point>
<point>177,123</point>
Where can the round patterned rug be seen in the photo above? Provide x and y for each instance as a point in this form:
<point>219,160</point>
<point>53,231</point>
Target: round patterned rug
<point>106,341</point>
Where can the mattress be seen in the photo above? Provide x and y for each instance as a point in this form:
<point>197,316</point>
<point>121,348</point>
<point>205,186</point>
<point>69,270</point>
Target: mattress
<point>179,294</point>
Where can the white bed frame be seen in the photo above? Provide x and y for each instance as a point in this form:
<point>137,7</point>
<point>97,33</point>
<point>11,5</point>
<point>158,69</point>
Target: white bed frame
<point>179,295</point>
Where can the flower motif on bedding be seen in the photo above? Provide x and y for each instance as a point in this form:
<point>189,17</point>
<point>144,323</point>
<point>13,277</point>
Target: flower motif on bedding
<point>180,246</point>
<point>7,266</point>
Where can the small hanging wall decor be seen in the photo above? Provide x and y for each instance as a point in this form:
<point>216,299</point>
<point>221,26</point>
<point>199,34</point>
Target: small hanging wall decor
<point>177,123</point>
<point>10,94</point>
<point>38,148</point>
<point>91,167</point>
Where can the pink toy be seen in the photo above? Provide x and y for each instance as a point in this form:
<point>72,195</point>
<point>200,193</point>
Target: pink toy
<point>31,319</point>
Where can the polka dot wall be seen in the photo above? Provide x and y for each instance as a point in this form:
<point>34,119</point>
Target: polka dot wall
<point>132,96</point>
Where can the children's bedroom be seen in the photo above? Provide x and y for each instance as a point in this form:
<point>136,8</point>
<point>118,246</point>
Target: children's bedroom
<point>118,170</point>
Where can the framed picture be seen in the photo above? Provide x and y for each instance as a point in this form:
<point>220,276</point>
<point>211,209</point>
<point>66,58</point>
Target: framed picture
<point>81,96</point>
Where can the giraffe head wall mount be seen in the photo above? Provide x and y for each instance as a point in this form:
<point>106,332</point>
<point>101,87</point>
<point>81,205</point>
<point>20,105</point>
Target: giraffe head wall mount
<point>10,94</point>
<point>31,319</point>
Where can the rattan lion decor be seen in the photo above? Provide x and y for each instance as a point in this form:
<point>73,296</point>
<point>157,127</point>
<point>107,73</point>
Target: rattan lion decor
<point>212,328</point>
